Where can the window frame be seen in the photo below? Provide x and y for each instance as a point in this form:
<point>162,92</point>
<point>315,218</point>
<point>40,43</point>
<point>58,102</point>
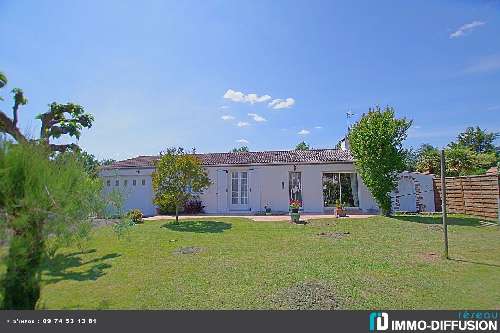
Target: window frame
<point>340,187</point>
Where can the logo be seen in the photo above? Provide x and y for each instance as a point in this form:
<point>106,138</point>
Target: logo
<point>379,321</point>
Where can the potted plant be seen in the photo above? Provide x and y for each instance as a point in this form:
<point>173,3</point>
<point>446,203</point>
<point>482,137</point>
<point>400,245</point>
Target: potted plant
<point>339,209</point>
<point>294,210</point>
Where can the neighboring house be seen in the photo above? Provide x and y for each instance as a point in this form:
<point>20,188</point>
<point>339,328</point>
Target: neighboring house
<point>247,182</point>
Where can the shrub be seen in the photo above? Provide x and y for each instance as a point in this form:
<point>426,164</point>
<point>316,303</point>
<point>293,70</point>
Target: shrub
<point>167,208</point>
<point>193,207</point>
<point>135,215</point>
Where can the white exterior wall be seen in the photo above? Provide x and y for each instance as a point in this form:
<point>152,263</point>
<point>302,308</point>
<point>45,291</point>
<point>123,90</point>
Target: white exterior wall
<point>138,196</point>
<point>415,192</point>
<point>268,185</point>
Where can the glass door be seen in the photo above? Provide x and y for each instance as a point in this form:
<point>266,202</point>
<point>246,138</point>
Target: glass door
<point>295,186</point>
<point>239,190</point>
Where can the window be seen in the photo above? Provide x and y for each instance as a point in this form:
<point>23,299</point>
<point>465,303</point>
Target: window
<point>244,188</point>
<point>125,182</point>
<point>143,182</point>
<point>134,182</point>
<point>342,187</point>
<point>239,188</point>
<point>108,182</point>
<point>234,188</point>
<point>117,182</point>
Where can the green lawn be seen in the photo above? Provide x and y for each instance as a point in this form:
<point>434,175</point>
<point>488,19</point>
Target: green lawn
<point>367,263</point>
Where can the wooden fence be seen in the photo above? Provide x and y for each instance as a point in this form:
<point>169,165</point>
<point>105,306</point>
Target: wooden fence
<point>471,195</point>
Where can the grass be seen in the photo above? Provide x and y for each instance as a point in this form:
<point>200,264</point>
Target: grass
<point>239,264</point>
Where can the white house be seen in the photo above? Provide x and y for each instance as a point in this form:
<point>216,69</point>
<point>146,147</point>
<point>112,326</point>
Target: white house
<point>247,182</point>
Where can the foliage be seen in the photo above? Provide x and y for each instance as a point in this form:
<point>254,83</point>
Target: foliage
<point>167,208</point>
<point>410,159</point>
<point>107,161</point>
<point>338,204</point>
<point>242,149</point>
<point>177,178</point>
<point>40,199</point>
<point>135,215</point>
<point>193,207</point>
<point>123,227</point>
<point>3,80</point>
<point>428,159</point>
<point>302,146</point>
<point>460,160</point>
<point>478,140</point>
<point>376,143</point>
<point>88,161</point>
<point>61,119</point>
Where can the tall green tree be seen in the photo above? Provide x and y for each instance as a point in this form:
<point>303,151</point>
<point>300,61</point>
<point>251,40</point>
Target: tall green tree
<point>428,159</point>
<point>41,199</point>
<point>242,149</point>
<point>177,178</point>
<point>302,146</point>
<point>376,142</point>
<point>478,140</point>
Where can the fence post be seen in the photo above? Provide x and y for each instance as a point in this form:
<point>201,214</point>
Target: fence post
<point>443,204</point>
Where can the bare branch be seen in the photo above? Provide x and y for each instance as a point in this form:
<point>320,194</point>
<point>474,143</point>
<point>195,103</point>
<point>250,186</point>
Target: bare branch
<point>8,126</point>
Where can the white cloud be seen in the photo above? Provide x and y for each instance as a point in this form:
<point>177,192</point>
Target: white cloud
<point>257,118</point>
<point>238,96</point>
<point>303,132</point>
<point>253,98</point>
<point>227,117</point>
<point>242,124</point>
<point>484,65</point>
<point>242,141</point>
<point>281,103</point>
<point>223,107</point>
<point>318,127</point>
<point>465,28</point>
<point>493,107</point>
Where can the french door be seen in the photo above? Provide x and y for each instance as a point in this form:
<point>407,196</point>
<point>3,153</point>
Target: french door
<point>295,186</point>
<point>239,190</point>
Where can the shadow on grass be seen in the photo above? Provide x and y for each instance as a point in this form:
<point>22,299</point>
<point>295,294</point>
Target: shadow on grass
<point>476,262</point>
<point>461,221</point>
<point>61,267</point>
<point>198,226</point>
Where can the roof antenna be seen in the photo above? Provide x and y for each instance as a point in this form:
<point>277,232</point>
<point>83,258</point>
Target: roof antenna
<point>349,114</point>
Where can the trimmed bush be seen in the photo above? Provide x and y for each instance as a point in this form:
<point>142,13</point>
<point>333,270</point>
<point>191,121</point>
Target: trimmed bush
<point>193,207</point>
<point>135,215</point>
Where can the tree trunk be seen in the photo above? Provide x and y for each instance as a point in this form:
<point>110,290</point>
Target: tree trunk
<point>21,282</point>
<point>176,213</point>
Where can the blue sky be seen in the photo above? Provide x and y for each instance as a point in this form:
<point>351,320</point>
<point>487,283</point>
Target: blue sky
<point>155,73</point>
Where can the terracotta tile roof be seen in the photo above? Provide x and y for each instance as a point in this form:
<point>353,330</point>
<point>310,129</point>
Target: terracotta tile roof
<point>313,156</point>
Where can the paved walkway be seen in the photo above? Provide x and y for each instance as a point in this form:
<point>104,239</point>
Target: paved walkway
<point>259,218</point>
